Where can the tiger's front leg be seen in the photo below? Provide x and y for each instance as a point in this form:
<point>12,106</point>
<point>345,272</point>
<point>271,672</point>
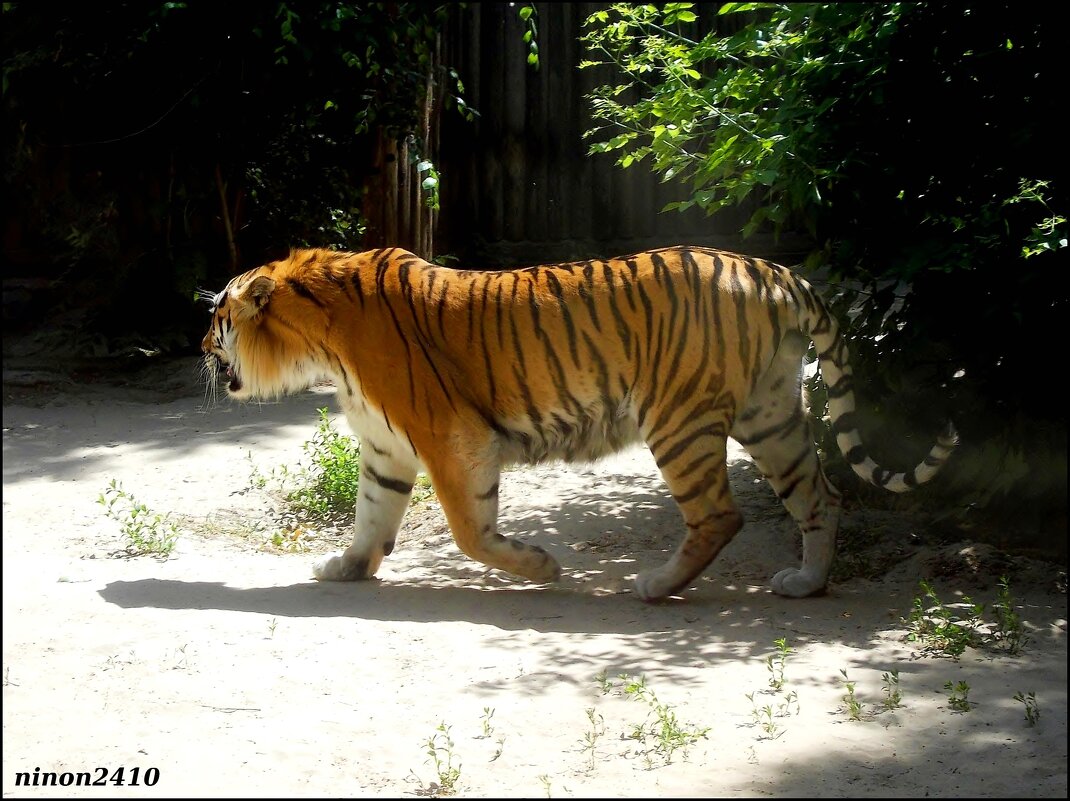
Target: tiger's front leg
<point>382,498</point>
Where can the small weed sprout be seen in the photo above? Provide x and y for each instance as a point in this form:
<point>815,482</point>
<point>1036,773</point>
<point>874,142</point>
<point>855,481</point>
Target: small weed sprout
<point>488,713</point>
<point>146,532</point>
<point>500,743</point>
<point>271,626</point>
<point>590,737</point>
<point>439,748</point>
<point>545,779</point>
<point>1032,709</point>
<point>776,662</point>
<point>764,715</point>
<point>893,696</point>
<point>765,720</point>
<point>1007,631</point>
<point>958,696</point>
<point>851,704</point>
<point>665,729</point>
<point>785,708</point>
<point>605,684</point>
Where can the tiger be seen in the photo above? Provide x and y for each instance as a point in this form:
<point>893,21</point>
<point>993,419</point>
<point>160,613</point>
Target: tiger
<point>461,373</point>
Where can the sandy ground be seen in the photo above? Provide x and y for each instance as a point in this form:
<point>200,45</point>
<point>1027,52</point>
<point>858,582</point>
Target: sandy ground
<point>233,674</point>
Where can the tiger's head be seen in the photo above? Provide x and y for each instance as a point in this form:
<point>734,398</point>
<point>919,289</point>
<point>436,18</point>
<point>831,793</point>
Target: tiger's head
<point>259,341</point>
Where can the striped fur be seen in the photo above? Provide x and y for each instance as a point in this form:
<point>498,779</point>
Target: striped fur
<point>461,372</point>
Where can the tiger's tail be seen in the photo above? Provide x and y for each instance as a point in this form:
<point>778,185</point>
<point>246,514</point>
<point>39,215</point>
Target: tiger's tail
<point>832,353</point>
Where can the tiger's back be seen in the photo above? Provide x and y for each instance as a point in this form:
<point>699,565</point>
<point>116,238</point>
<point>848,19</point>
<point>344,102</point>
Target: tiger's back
<point>461,372</point>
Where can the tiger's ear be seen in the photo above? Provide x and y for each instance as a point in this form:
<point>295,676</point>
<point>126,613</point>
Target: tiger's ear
<point>255,295</point>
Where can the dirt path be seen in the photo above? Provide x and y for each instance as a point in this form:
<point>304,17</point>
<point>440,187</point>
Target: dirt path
<point>232,673</point>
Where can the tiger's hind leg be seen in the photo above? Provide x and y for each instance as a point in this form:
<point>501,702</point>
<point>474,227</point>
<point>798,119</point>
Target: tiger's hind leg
<point>693,460</point>
<point>774,430</point>
<point>466,484</point>
<point>382,497</point>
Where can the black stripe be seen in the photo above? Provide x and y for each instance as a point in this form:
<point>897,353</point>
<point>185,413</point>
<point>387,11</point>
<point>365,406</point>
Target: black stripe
<point>394,484</point>
<point>782,428</point>
<point>441,303</point>
<point>664,276</point>
<point>654,375</point>
<point>716,322</point>
<point>798,460</point>
<point>786,492</point>
<point>302,290</point>
<point>603,371</point>
<point>408,353</point>
<point>856,455</point>
<point>708,479</point>
<point>742,326</point>
<point>529,404</point>
<point>470,307</point>
<point>716,430</point>
<point>498,315</point>
<point>566,315</point>
<point>618,318</point>
<point>881,476</point>
<point>844,423</point>
<point>842,387</point>
<point>588,295</point>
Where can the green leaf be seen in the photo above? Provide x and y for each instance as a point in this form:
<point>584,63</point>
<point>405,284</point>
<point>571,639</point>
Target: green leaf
<point>526,12</point>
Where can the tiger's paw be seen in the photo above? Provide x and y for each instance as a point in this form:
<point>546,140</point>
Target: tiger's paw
<point>653,585</point>
<point>796,583</point>
<point>343,567</point>
<point>544,569</point>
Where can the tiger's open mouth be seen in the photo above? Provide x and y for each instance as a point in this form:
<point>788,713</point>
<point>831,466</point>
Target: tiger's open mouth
<point>219,367</point>
<point>235,382</point>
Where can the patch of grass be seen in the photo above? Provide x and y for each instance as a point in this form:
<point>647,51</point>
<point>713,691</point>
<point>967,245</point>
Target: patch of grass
<point>851,705</point>
<point>146,532</point>
<point>1007,630</point>
<point>321,491</point>
<point>958,696</point>
<point>1032,709</point>
<point>763,717</point>
<point>439,748</point>
<point>330,480</point>
<point>944,629</point>
<point>421,490</point>
<point>661,725</point>
<point>949,629</point>
<point>893,696</point>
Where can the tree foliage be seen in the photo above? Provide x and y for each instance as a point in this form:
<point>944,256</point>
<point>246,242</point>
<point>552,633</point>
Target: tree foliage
<point>916,143</point>
<point>173,142</point>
